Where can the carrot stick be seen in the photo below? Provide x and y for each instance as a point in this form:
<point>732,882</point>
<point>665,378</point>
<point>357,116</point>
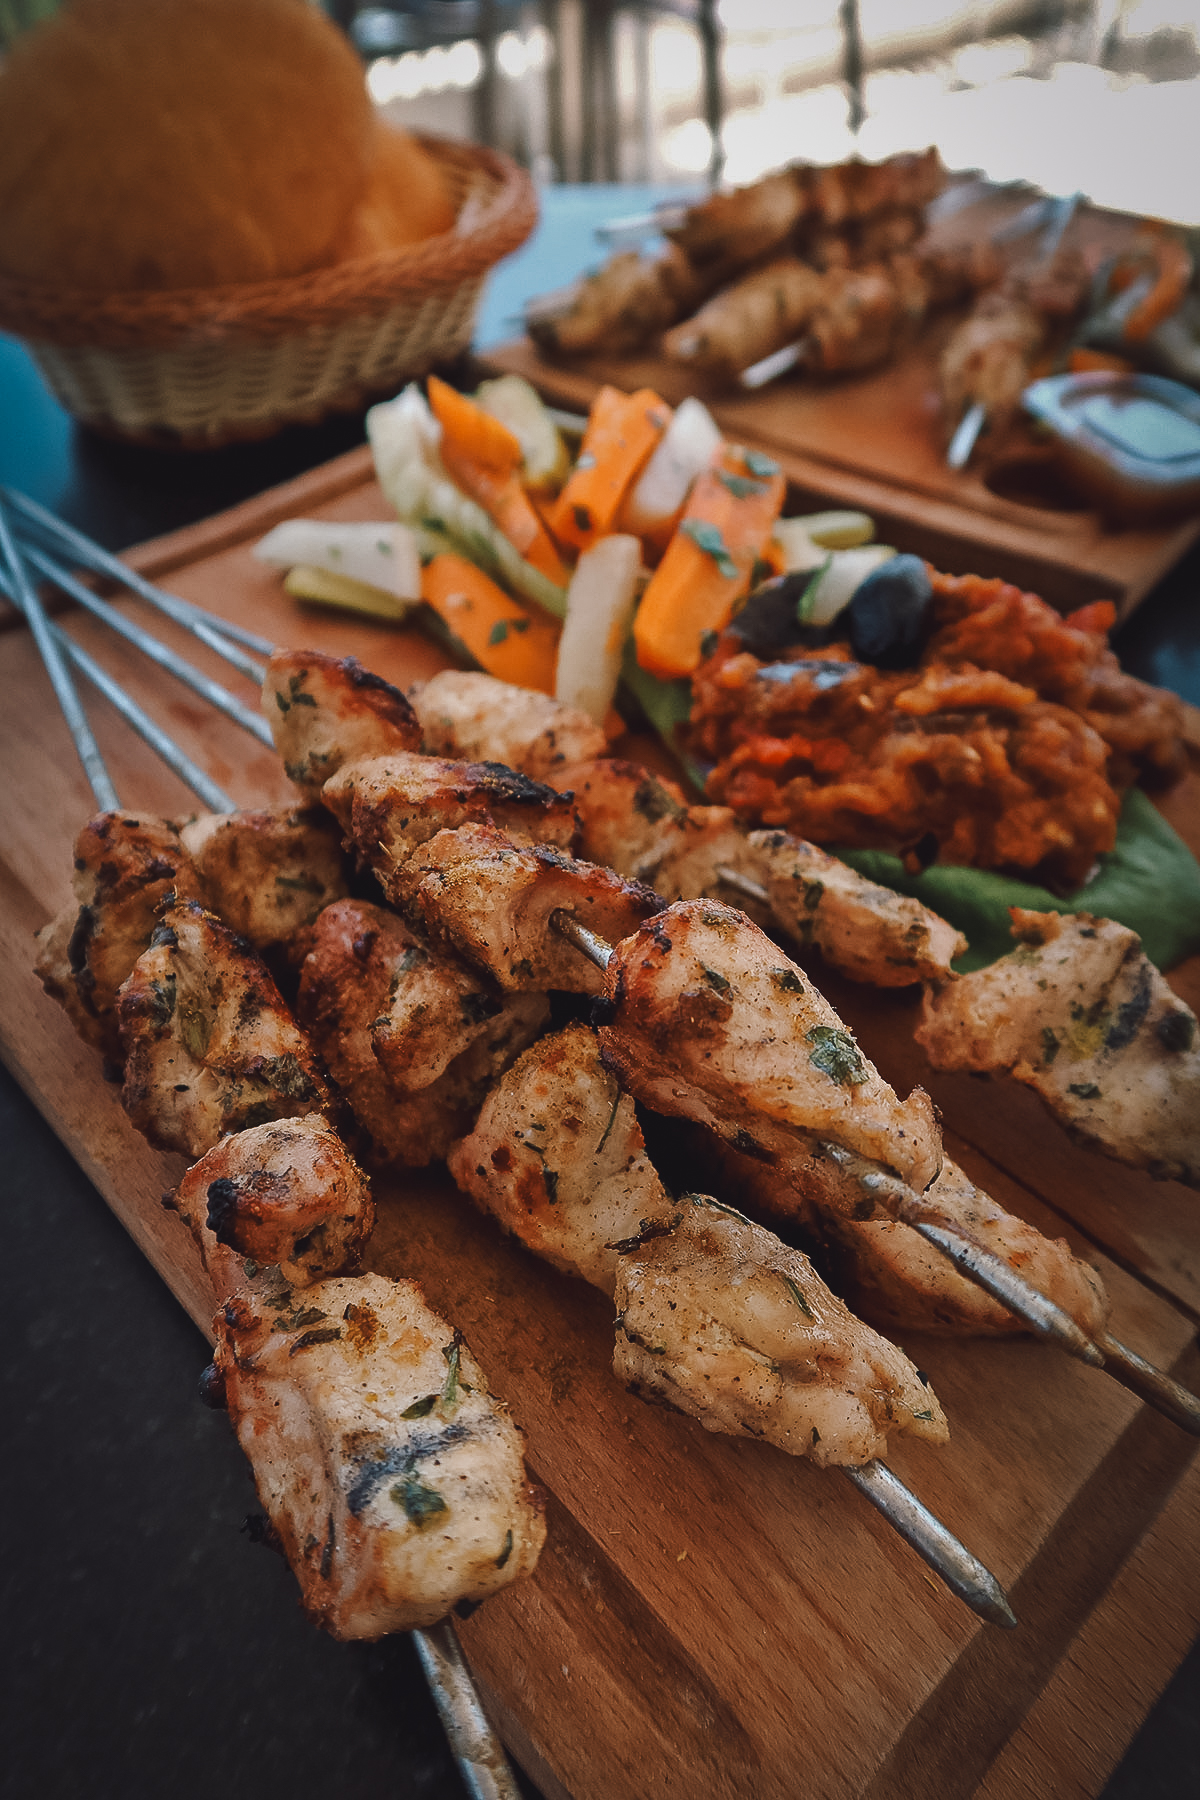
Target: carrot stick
<point>622,431</point>
<point>513,642</point>
<point>483,458</point>
<point>709,562</point>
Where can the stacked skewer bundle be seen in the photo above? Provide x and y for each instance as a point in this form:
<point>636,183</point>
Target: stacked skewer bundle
<point>440,836</point>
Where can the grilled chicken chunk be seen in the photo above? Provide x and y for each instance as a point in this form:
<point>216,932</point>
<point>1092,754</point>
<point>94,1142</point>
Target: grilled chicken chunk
<point>643,827</point>
<point>324,711</point>
<point>476,717</point>
<point>210,1046</point>
<point>491,899</point>
<point>411,1036</point>
<point>268,874</point>
<point>865,931</point>
<point>896,1279</point>
<point>389,805</point>
<point>125,866</point>
<point>390,1474</point>
<point>1078,1013</point>
<point>557,1157</point>
<point>286,1193</point>
<point>710,1021</point>
<point>722,1321</point>
<point>715,1315</point>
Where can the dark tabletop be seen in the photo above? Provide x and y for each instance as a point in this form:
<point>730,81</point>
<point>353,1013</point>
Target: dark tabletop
<point>152,1648</point>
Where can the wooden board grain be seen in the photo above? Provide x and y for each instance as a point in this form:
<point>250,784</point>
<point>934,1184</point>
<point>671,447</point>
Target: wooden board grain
<point>875,442</point>
<point>710,1616</point>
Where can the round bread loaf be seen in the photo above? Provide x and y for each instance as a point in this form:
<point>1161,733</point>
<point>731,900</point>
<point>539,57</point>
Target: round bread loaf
<point>180,143</point>
<point>405,198</point>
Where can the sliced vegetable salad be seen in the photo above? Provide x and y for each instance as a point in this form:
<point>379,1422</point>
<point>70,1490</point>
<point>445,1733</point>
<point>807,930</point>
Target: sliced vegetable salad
<point>602,577</point>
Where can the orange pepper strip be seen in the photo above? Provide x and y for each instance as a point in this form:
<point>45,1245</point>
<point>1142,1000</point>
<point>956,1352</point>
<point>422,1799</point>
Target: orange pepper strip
<point>483,458</point>
<point>709,562</point>
<point>515,643</point>
<point>622,430</point>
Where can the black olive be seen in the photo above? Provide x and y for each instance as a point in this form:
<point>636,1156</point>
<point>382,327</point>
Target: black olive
<point>890,616</point>
<point>768,624</point>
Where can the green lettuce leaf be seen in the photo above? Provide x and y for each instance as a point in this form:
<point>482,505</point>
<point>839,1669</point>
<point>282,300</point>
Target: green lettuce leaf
<point>1150,882</point>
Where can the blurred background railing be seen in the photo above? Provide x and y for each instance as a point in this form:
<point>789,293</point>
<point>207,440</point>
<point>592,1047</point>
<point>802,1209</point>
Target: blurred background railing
<point>1096,95</point>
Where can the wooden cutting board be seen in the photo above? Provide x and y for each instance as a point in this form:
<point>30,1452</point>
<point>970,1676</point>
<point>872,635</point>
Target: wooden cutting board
<point>874,442</point>
<point>710,1616</point>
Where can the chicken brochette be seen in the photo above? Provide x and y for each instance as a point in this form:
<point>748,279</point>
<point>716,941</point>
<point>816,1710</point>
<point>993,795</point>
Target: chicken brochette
<point>287,1193</point>
<point>480,719</point>
<point>557,1156</point>
<point>210,1046</point>
<point>268,873</point>
<point>126,864</point>
<point>390,805</point>
<point>642,826</point>
<point>721,1320</point>
<point>716,1317</point>
<point>324,712</point>
<point>708,1020</point>
<point>391,1476</point>
<point>1080,1014</point>
<point>491,899</point>
<point>410,1035</point>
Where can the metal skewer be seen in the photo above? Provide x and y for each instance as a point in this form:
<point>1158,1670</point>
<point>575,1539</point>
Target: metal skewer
<point>962,1571</point>
<point>770,368</point>
<point>1041,1315</point>
<point>477,1750</point>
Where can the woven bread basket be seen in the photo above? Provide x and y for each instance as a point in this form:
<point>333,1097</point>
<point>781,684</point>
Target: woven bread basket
<point>198,368</point>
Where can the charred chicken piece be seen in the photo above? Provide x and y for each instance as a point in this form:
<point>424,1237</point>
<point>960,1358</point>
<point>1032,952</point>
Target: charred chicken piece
<point>865,931</point>
<point>491,899</point>
<point>475,717</point>
<point>324,711</point>
<point>412,1037</point>
<point>718,1319</point>
<point>710,1021</point>
<point>210,1046</point>
<point>125,866</point>
<point>715,1316</point>
<point>557,1156</point>
<point>753,317</point>
<point>1078,1013</point>
<point>628,817</point>
<point>727,231</point>
<point>643,827</point>
<point>286,1193</point>
<point>897,1280</point>
<point>392,1478</point>
<point>389,805</point>
<point>268,874</point>
<point>619,308</point>
<point>855,189</point>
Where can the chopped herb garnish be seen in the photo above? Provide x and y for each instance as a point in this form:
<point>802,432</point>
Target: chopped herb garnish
<point>612,1119</point>
<point>328,1334</point>
<point>758,464</point>
<point>708,642</point>
<point>716,980</point>
<point>451,1385</point>
<point>718,1206</point>
<point>814,893</point>
<point>1050,1044</point>
<point>787,980</point>
<point>421,1503</point>
<point>420,1409</point>
<point>808,599</point>
<point>740,486</point>
<point>583,518</point>
<point>923,1415</point>
<point>1086,1090</point>
<point>707,537</point>
<point>507,1550</point>
<point>550,1180</point>
<point>301,884</point>
<point>835,1053</point>
<point>499,632</point>
<point>798,1297</point>
<point>296,693</point>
